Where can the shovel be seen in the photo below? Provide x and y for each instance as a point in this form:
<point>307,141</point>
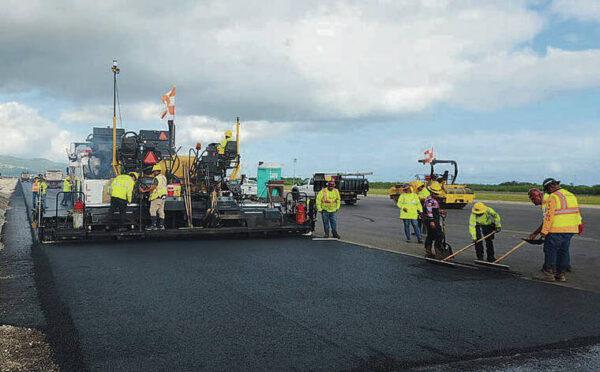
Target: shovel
<point>446,261</point>
<point>497,264</point>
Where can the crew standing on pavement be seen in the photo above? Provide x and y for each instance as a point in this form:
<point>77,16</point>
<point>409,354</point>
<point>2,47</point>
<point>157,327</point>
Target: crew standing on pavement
<point>158,194</point>
<point>221,147</point>
<point>121,193</point>
<point>328,203</point>
<point>410,208</point>
<point>66,191</point>
<point>432,219</point>
<point>562,219</point>
<point>483,221</point>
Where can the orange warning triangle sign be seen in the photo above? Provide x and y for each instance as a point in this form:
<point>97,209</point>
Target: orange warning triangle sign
<point>163,136</point>
<point>150,158</point>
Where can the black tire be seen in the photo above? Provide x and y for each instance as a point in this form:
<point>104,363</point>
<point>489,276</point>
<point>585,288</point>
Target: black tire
<point>350,202</point>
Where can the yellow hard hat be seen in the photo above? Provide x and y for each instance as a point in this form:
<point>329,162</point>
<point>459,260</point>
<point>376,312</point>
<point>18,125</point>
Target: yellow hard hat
<point>134,174</point>
<point>479,208</point>
<point>228,133</point>
<point>418,184</point>
<point>435,188</point>
<point>156,167</point>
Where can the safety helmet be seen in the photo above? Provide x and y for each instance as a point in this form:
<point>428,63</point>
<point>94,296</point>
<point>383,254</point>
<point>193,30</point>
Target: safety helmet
<point>156,167</point>
<point>134,174</point>
<point>228,134</point>
<point>406,186</point>
<point>479,208</point>
<point>549,182</point>
<point>435,188</point>
<point>419,184</point>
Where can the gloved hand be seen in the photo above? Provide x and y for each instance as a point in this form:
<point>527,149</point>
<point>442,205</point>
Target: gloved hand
<point>498,229</point>
<point>404,210</point>
<point>532,236</point>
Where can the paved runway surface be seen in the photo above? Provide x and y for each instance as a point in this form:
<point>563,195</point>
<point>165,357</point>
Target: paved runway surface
<point>375,221</point>
<point>300,304</point>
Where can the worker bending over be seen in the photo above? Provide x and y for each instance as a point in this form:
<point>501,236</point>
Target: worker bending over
<point>410,208</point>
<point>483,221</point>
<point>158,194</point>
<point>537,197</point>
<point>562,219</point>
<point>66,192</point>
<point>432,219</point>
<point>221,147</point>
<point>121,193</point>
<point>328,203</point>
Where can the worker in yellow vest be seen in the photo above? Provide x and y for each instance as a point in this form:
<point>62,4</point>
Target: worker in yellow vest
<point>43,186</point>
<point>483,221</point>
<point>35,192</point>
<point>328,203</point>
<point>423,193</point>
<point>121,193</point>
<point>66,191</point>
<point>410,208</point>
<point>223,144</point>
<point>158,194</point>
<point>562,219</point>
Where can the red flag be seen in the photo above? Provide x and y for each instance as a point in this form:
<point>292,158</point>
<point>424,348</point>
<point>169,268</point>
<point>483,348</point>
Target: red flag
<point>428,155</point>
<point>169,100</point>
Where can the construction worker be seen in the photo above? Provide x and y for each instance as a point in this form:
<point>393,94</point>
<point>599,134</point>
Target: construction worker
<point>43,186</point>
<point>483,221</point>
<point>221,147</point>
<point>432,219</point>
<point>158,194</point>
<point>121,193</point>
<point>35,192</point>
<point>410,208</point>
<point>562,219</point>
<point>66,192</point>
<point>328,203</point>
<point>423,193</point>
<point>537,197</point>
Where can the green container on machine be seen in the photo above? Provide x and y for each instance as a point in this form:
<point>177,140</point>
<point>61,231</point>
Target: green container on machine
<point>264,174</point>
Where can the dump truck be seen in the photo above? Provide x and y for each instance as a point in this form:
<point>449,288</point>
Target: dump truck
<point>54,178</point>
<point>350,185</point>
<point>25,176</point>
<point>453,197</point>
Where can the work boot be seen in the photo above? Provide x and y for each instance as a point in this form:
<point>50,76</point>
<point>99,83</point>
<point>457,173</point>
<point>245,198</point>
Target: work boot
<point>153,225</point>
<point>326,236</point>
<point>161,224</point>
<point>335,235</point>
<point>428,253</point>
<point>491,259</point>
<point>560,277</point>
<point>420,241</point>
<point>547,275</point>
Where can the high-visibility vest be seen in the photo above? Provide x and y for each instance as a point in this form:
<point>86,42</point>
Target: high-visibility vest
<point>161,188</point>
<point>43,187</point>
<point>412,204</point>
<point>489,217</point>
<point>328,200</point>
<point>66,186</point>
<point>567,212</point>
<point>122,187</point>
<point>221,147</point>
<point>35,187</point>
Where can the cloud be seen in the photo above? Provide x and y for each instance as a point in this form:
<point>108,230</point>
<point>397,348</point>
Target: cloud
<point>25,132</point>
<point>582,10</point>
<point>142,111</point>
<point>293,61</point>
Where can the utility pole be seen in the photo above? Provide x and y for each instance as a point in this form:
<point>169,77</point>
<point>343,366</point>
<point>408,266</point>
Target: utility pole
<point>294,180</point>
<point>115,70</point>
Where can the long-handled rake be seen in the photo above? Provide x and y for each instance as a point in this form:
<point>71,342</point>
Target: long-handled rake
<point>496,264</point>
<point>446,261</point>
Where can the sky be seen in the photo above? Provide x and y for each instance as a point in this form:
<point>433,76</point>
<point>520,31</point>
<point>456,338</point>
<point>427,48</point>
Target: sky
<point>509,89</point>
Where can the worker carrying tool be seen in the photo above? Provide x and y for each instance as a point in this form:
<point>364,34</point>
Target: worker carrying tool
<point>483,221</point>
<point>66,191</point>
<point>410,208</point>
<point>221,147</point>
<point>121,193</point>
<point>432,217</point>
<point>158,194</point>
<point>537,197</point>
<point>562,219</point>
<point>328,203</point>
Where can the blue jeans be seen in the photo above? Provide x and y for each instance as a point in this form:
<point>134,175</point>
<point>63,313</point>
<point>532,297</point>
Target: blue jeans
<point>329,218</point>
<point>44,201</point>
<point>415,226</point>
<point>556,251</point>
<point>34,199</point>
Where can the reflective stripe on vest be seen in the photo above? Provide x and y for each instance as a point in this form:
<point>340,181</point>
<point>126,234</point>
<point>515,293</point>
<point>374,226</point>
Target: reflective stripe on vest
<point>567,211</point>
<point>161,188</point>
<point>325,199</point>
<point>120,186</point>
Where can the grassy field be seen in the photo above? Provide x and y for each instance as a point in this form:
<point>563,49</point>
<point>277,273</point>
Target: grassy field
<point>508,196</point>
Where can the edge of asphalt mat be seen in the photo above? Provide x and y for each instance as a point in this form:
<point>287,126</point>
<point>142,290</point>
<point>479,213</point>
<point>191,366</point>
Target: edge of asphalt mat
<point>473,267</point>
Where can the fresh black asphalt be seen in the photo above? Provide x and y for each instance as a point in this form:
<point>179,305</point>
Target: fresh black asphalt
<point>290,304</point>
